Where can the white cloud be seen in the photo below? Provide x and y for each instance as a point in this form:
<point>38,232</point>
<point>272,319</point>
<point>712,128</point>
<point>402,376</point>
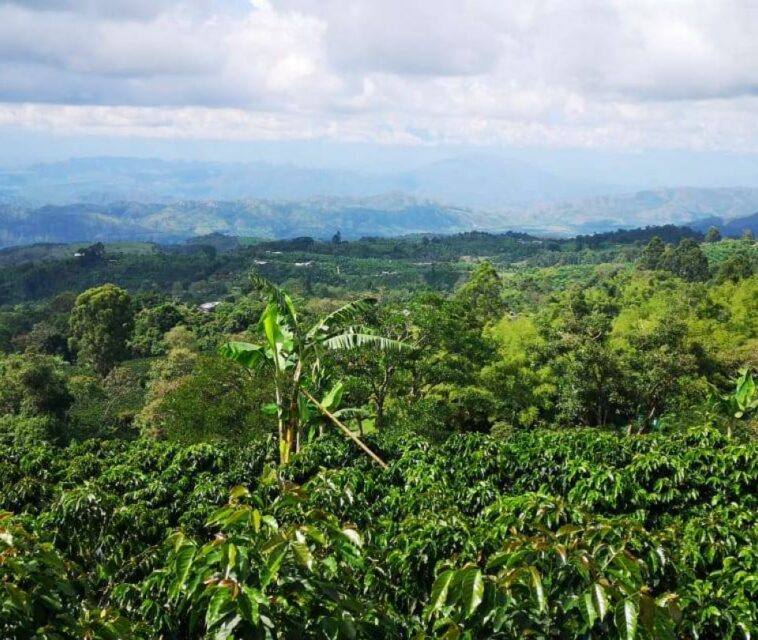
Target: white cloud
<point>612,74</point>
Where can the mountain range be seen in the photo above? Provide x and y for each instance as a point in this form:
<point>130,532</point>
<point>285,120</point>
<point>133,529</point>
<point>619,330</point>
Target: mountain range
<point>478,181</point>
<point>389,215</point>
<point>131,199</point>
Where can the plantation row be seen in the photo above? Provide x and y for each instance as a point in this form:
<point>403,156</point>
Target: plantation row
<point>654,536</point>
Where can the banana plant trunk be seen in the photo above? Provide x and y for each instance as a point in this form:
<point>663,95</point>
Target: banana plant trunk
<point>289,442</point>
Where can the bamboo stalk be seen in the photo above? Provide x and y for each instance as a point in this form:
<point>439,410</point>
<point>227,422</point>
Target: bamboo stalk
<point>347,431</point>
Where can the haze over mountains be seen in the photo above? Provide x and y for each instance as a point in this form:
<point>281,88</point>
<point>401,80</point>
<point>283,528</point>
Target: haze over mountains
<point>137,199</point>
<point>481,181</point>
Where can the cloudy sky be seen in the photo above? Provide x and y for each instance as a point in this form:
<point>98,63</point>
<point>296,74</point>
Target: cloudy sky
<point>610,76</point>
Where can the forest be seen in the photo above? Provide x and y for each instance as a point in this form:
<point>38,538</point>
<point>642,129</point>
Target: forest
<point>460,437</point>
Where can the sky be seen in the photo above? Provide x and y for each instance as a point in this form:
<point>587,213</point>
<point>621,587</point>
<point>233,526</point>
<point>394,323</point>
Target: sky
<point>663,89</point>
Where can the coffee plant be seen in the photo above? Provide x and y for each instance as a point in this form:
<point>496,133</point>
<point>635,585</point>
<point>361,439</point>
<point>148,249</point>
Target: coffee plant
<point>571,534</point>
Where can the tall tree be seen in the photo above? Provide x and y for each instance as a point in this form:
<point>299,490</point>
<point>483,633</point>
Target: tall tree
<point>688,261</point>
<point>101,323</point>
<point>713,234</point>
<point>483,293</point>
<point>651,255</point>
<point>735,268</point>
<point>33,387</point>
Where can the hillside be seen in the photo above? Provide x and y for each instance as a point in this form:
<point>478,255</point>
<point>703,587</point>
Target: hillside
<point>660,206</point>
<point>391,214</point>
<point>318,217</point>
<point>735,227</point>
<point>541,423</point>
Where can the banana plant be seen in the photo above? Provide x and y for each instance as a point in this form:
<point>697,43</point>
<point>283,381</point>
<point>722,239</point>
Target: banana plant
<point>740,402</point>
<point>293,355</point>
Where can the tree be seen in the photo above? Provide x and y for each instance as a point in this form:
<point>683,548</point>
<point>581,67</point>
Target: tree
<point>101,323</point>
<point>180,337</point>
<point>92,255</point>
<point>687,261</point>
<point>735,268</point>
<point>748,235</point>
<point>483,293</point>
<point>657,369</point>
<point>337,238</point>
<point>46,338</point>
<point>371,376</point>
<point>152,323</point>
<point>33,387</point>
<point>201,399</point>
<point>292,354</point>
<point>713,234</point>
<point>651,255</point>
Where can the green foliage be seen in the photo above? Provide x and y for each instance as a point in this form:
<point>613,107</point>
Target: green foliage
<point>203,399</point>
<point>713,234</point>
<point>737,267</point>
<point>101,324</point>
<point>654,537</point>
<point>39,595</point>
<point>550,527</point>
<point>263,578</point>
<point>687,260</point>
<point>34,397</point>
<point>652,254</point>
<point>292,355</point>
<point>152,323</point>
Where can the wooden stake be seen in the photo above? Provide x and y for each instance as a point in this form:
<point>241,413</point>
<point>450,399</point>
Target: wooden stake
<point>347,431</point>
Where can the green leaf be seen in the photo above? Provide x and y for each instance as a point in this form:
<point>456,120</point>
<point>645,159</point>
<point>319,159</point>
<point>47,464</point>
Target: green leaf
<point>626,619</point>
<point>244,353</point>
<point>270,409</point>
<point>333,398</point>
<point>218,607</point>
<point>275,295</point>
<point>601,600</point>
<point>303,409</point>
<point>347,313</point>
<point>182,564</point>
<point>303,554</point>
<point>352,339</point>
<point>249,603</point>
<point>269,476</point>
<point>589,607</point>
<point>238,492</point>
<point>274,561</point>
<point>440,589</point>
<point>471,589</point>
<point>537,585</point>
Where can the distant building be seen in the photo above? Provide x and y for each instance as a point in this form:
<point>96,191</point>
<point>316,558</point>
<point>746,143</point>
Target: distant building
<point>207,307</point>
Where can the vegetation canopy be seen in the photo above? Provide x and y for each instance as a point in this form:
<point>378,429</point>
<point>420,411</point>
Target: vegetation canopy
<point>471,436</point>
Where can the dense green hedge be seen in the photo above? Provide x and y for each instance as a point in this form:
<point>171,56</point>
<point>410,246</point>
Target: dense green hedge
<point>550,534</point>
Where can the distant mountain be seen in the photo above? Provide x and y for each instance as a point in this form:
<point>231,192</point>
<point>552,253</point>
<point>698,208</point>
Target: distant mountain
<point>483,181</point>
<point>386,215</point>
<point>735,227</point>
<point>169,201</point>
<point>654,207</point>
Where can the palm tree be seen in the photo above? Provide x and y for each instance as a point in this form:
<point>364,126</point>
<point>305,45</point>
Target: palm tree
<point>293,355</point>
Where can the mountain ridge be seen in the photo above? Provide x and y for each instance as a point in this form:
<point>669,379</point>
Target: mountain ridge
<point>393,214</point>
